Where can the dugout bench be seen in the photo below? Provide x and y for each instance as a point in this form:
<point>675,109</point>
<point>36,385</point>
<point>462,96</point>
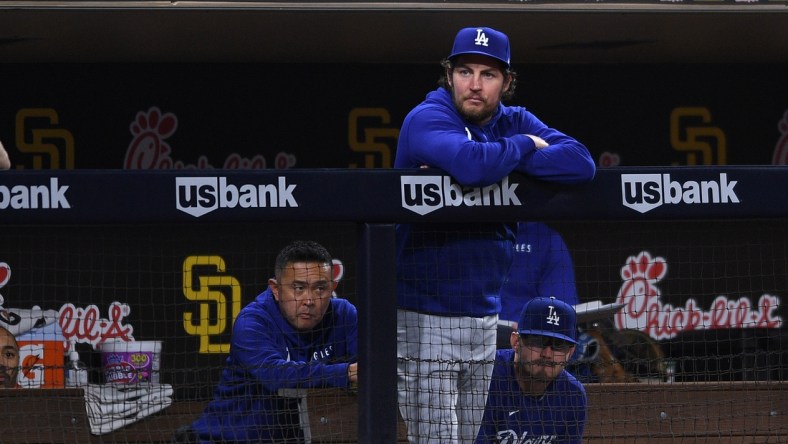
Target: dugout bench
<point>705,412</point>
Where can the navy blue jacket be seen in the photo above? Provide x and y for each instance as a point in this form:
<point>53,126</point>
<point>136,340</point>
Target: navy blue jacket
<point>556,417</point>
<point>458,269</point>
<point>267,354</point>
<point>542,267</point>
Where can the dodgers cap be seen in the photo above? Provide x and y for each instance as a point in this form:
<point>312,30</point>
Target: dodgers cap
<point>485,41</point>
<point>548,317</point>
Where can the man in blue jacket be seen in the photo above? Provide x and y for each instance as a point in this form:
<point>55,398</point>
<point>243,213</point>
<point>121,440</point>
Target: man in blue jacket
<point>449,276</point>
<point>532,396</point>
<point>292,336</point>
<point>542,265</point>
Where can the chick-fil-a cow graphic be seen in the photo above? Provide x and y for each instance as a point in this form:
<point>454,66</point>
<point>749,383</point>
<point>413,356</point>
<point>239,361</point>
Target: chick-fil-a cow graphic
<point>643,309</point>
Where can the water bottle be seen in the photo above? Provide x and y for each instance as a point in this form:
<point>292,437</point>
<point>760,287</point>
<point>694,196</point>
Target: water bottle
<point>76,371</point>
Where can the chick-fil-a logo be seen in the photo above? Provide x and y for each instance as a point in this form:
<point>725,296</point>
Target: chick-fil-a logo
<point>87,326</point>
<point>643,310</point>
<point>149,149</point>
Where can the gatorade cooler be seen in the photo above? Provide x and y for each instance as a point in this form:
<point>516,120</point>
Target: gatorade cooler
<point>41,353</point>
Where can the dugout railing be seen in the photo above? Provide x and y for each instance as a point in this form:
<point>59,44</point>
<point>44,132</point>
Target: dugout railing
<point>373,201</point>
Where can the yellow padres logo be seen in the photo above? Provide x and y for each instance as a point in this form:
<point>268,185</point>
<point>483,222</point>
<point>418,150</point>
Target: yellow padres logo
<point>214,310</point>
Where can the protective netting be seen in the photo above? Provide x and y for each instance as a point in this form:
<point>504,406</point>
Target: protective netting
<point>682,331</point>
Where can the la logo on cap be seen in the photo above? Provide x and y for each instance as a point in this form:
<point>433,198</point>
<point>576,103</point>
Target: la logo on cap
<point>481,38</point>
<point>552,317</point>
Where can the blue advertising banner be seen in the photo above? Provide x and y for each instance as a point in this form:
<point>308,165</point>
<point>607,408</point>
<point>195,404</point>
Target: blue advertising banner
<point>426,195</point>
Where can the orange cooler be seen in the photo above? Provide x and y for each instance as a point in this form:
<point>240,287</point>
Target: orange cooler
<point>41,353</point>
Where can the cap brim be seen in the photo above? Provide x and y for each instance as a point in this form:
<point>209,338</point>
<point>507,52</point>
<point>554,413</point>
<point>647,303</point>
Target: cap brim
<point>547,333</point>
<point>505,63</point>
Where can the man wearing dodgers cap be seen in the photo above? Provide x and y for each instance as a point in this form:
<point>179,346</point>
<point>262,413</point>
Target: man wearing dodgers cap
<point>532,396</point>
<point>449,276</point>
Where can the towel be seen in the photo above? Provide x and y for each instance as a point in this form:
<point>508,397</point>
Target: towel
<point>112,406</point>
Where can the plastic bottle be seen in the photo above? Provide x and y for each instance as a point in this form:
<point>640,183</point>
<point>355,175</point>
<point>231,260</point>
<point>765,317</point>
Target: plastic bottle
<point>76,371</point>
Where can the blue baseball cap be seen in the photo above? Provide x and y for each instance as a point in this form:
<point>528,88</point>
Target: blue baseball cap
<point>548,317</point>
<point>484,41</point>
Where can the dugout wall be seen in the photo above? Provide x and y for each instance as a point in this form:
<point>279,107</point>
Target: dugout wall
<point>172,256</point>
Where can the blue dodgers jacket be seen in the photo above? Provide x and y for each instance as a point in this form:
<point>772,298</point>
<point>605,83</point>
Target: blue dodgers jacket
<point>268,354</point>
<point>542,266</point>
<point>458,269</point>
<point>558,416</point>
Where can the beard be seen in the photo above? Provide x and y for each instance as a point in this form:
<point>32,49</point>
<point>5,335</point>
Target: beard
<point>474,114</point>
<point>8,379</point>
<point>540,370</point>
